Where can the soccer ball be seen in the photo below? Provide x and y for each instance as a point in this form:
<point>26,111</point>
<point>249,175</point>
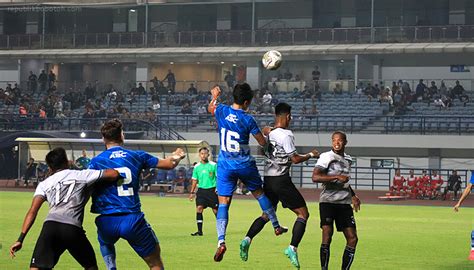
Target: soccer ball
<point>272,60</point>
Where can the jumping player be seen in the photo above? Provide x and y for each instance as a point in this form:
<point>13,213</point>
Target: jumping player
<point>333,171</point>
<point>235,161</point>
<point>456,209</point>
<point>204,176</point>
<point>280,154</point>
<point>67,192</point>
<point>119,204</point>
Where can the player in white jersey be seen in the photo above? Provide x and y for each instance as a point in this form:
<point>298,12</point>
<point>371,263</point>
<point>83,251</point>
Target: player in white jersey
<point>333,171</point>
<point>280,155</point>
<point>67,192</point>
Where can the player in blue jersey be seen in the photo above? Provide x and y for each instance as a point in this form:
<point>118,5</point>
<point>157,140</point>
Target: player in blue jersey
<point>456,208</point>
<point>235,161</point>
<point>118,203</point>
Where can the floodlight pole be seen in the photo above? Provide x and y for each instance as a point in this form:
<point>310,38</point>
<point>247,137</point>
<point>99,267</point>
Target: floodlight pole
<point>44,26</point>
<point>372,36</point>
<point>146,23</point>
<point>253,22</point>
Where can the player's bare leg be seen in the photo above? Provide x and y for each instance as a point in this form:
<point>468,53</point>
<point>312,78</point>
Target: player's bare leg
<point>154,260</point>
<point>199,220</point>
<point>222,220</point>
<point>351,242</point>
<point>325,246</point>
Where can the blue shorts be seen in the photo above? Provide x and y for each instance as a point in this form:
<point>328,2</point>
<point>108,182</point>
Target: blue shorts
<point>131,227</point>
<point>227,180</point>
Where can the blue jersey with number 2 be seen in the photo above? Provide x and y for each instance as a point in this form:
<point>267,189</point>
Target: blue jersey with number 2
<point>120,196</point>
<point>235,127</point>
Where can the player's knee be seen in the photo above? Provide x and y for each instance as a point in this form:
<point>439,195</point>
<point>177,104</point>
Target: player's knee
<point>352,240</point>
<point>264,217</point>
<point>199,209</point>
<point>92,268</point>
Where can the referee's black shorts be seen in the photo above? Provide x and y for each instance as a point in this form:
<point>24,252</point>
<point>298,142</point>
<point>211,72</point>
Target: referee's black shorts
<point>341,214</point>
<point>55,238</point>
<point>207,197</point>
<point>281,188</point>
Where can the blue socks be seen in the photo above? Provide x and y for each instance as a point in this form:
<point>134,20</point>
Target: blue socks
<point>472,240</point>
<point>222,220</point>
<point>268,209</point>
<point>108,253</point>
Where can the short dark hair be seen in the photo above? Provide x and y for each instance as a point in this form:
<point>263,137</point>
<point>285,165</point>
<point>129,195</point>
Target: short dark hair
<point>242,92</point>
<point>338,132</point>
<point>282,108</point>
<point>57,159</point>
<point>112,131</point>
<point>203,148</point>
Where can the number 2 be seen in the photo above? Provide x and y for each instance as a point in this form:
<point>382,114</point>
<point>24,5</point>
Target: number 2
<point>229,141</point>
<point>124,171</point>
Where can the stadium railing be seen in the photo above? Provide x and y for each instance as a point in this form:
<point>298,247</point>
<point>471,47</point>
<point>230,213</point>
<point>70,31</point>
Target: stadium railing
<point>169,125</point>
<point>366,178</point>
<point>283,36</point>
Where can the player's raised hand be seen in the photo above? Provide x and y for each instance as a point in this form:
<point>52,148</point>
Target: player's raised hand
<point>14,248</point>
<point>179,154</point>
<point>215,92</point>
<point>356,203</point>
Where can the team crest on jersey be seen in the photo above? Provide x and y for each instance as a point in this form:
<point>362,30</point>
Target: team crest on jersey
<point>232,118</point>
<point>118,154</point>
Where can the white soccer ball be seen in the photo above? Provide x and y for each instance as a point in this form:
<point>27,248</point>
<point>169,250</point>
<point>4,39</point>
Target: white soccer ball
<point>272,60</point>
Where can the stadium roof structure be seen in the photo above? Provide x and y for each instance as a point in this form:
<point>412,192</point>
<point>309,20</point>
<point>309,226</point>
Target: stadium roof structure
<point>37,148</point>
<point>195,52</point>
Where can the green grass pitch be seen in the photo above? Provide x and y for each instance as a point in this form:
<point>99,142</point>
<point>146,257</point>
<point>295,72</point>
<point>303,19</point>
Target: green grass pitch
<point>390,237</point>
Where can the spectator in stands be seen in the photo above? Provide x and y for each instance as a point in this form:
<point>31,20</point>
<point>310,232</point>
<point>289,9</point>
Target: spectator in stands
<point>43,80</point>
<point>420,90</point>
<point>359,89</point>
<point>287,75</point>
<point>186,108</point>
<point>32,82</point>
<point>267,98</point>
<point>337,89</point>
<point>89,92</point>
<point>230,80</point>
<point>297,78</point>
<point>171,81</point>
<point>23,111</point>
<point>314,110</point>
<point>464,98</point>
<point>316,74</point>
<point>439,102</point>
<point>51,79</point>
<point>192,90</point>
<point>395,88</point>
<point>156,105</point>
<point>454,184</point>
<point>140,89</point>
<point>156,83</point>
<point>433,89</point>
<point>443,90</point>
<point>457,91</point>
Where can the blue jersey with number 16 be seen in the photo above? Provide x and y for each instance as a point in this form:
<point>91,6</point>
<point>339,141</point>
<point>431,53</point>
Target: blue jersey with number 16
<point>120,196</point>
<point>235,127</point>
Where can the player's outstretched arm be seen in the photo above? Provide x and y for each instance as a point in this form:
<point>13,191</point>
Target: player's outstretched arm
<point>319,176</point>
<point>172,161</point>
<point>215,92</point>
<point>110,175</point>
<point>463,197</point>
<point>27,223</point>
<point>260,139</point>
<point>297,158</point>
